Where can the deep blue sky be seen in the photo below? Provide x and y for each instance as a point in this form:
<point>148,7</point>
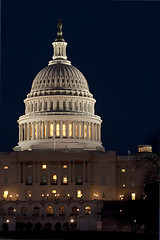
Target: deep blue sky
<point>116,45</point>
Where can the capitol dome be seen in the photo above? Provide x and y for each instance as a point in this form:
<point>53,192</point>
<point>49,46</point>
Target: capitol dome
<point>60,76</point>
<point>59,110</point>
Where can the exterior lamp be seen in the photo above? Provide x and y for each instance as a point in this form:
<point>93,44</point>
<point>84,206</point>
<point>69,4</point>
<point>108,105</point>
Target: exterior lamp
<point>17,196</point>
<point>7,221</point>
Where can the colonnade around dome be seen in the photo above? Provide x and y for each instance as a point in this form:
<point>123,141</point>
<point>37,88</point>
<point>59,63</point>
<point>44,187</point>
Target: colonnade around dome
<point>59,129</point>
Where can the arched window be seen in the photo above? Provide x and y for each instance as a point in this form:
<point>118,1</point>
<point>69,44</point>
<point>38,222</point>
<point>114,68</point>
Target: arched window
<point>44,180</point>
<point>62,211</point>
<point>64,130</point>
<point>57,130</point>
<point>36,211</point>
<point>23,211</point>
<point>87,210</point>
<point>49,211</point>
<point>57,105</point>
<point>10,211</point>
<point>75,211</point>
<point>64,105</point>
<point>81,107</point>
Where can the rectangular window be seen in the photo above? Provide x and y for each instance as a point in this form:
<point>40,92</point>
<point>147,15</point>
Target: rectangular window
<point>70,129</point>
<point>65,180</point>
<point>44,166</point>
<point>51,130</point>
<point>64,130</point>
<point>133,196</point>
<point>65,166</point>
<point>57,130</point>
<point>79,193</point>
<point>5,167</point>
<point>54,191</point>
<point>5,194</point>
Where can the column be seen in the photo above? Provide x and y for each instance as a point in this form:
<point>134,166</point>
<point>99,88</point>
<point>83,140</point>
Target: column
<point>33,131</point>
<point>84,172</point>
<point>87,130</point>
<point>28,136</point>
<point>74,129</point>
<point>96,132</point>
<point>91,131</point>
<point>42,130</point>
<point>39,130</point>
<point>67,129</point>
<point>60,125</point>
<point>34,172</point>
<point>23,172</point>
<point>46,129</point>
<point>37,133</point>
<point>19,133</point>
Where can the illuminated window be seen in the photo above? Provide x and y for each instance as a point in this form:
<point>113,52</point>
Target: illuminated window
<point>87,210</point>
<point>89,132</point>
<point>65,166</point>
<point>51,129</point>
<point>70,129</point>
<point>57,130</point>
<point>5,167</point>
<point>44,130</point>
<point>121,196</point>
<point>65,180</point>
<point>44,166</point>
<point>85,130</point>
<point>49,211</point>
<point>35,129</point>
<point>123,170</point>
<point>54,191</point>
<point>79,193</point>
<point>76,130</point>
<point>64,130</point>
<point>124,185</point>
<point>54,179</point>
<point>133,196</point>
<point>5,194</point>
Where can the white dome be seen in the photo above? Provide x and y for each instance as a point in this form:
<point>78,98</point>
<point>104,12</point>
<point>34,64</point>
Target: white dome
<point>59,110</point>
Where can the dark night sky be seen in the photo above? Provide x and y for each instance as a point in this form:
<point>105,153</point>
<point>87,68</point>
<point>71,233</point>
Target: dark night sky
<point>116,45</point>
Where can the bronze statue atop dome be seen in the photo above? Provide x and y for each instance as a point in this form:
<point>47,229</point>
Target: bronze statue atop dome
<point>59,37</point>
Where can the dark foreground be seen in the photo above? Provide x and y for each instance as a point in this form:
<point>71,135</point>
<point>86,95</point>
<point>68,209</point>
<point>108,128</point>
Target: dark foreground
<point>79,235</point>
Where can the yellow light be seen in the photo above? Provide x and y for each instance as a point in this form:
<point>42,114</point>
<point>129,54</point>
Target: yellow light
<point>123,170</point>
<point>65,166</point>
<point>35,128</point>
<point>65,180</point>
<point>5,167</point>
<point>79,193</point>
<point>5,194</point>
<point>80,130</point>
<point>54,191</point>
<point>124,185</point>
<point>70,129</point>
<point>64,130</point>
<point>57,130</point>
<point>51,129</point>
<point>133,196</point>
<point>44,166</point>
<point>54,177</point>
<point>89,132</point>
<point>85,130</point>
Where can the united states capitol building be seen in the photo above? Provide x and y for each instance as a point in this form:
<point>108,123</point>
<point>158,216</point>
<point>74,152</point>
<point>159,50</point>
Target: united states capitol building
<point>59,173</point>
